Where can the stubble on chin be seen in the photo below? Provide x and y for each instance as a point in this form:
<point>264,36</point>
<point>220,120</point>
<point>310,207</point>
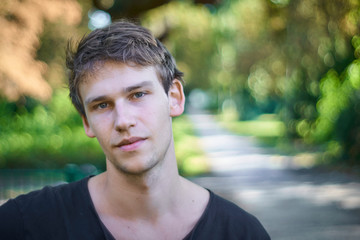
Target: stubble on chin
<point>137,168</point>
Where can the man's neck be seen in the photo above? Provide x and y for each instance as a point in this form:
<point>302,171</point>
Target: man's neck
<point>149,206</point>
<point>135,196</point>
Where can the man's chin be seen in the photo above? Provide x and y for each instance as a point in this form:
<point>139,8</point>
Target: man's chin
<point>135,169</point>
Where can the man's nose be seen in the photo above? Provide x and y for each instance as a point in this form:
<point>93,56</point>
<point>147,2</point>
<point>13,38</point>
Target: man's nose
<point>124,117</point>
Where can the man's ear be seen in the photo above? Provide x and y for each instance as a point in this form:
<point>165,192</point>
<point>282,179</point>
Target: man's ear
<point>87,127</point>
<point>176,98</point>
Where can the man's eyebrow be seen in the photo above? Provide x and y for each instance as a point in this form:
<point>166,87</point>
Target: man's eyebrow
<point>95,99</point>
<point>140,85</point>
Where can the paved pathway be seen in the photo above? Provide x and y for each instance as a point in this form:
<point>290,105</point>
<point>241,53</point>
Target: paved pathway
<point>290,201</point>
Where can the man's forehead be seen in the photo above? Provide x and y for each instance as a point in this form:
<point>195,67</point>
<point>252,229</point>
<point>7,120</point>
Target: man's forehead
<point>118,77</point>
<point>106,69</point>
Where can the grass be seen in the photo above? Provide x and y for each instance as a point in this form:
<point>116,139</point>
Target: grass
<point>265,126</point>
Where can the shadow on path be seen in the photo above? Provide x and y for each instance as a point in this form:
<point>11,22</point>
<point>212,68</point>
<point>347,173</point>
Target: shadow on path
<point>291,202</point>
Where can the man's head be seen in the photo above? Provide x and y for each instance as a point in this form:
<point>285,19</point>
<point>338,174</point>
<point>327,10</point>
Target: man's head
<point>122,42</point>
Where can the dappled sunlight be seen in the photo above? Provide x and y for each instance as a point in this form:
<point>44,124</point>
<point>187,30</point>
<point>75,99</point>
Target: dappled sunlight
<point>298,161</point>
<point>345,196</point>
<point>230,152</point>
<point>236,162</point>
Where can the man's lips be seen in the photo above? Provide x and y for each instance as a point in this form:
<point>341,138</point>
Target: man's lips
<point>130,144</point>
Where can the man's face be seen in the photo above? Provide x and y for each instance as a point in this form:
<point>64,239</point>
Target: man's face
<point>129,113</point>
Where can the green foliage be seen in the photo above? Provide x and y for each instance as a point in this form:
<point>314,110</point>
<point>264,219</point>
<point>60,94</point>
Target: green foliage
<point>45,136</point>
<point>339,113</point>
<point>190,157</point>
<point>264,126</point>
<point>266,129</point>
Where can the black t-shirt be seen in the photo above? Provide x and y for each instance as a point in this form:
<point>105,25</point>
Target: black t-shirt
<point>67,212</point>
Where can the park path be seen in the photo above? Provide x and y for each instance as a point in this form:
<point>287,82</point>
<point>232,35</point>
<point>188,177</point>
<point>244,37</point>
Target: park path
<point>292,202</point>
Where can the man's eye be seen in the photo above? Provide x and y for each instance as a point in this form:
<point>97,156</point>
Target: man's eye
<point>139,95</point>
<point>102,105</point>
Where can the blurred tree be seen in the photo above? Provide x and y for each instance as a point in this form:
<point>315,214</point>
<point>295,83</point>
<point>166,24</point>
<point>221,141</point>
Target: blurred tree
<point>21,25</point>
<point>316,38</point>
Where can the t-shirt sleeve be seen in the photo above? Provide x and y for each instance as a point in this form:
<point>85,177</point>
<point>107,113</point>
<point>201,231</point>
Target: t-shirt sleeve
<point>11,224</point>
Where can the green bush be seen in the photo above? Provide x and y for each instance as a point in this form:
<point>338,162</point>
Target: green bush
<point>45,136</point>
<point>190,157</point>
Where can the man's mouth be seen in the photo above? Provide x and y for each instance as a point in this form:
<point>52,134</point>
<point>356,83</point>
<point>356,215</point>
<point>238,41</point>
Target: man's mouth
<point>130,144</point>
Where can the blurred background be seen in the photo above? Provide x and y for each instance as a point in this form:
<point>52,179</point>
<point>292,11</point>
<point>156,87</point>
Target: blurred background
<point>286,72</point>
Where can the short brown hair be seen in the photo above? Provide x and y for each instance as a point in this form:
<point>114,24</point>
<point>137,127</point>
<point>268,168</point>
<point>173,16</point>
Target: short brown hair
<point>121,41</point>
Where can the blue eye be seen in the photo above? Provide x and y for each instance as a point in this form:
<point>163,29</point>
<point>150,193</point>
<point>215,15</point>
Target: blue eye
<point>102,105</point>
<point>139,95</point>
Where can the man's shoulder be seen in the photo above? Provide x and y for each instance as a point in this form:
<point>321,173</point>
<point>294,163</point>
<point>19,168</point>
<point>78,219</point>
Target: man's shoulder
<point>226,220</point>
<point>57,212</point>
<point>227,209</point>
<point>48,196</point>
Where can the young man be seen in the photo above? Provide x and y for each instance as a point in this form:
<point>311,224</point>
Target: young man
<point>126,87</point>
